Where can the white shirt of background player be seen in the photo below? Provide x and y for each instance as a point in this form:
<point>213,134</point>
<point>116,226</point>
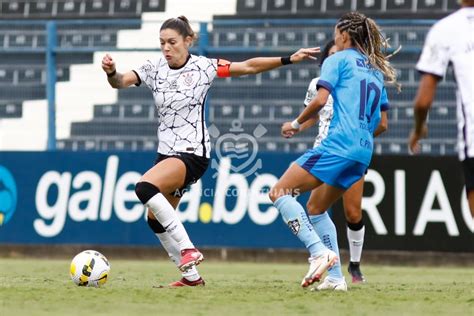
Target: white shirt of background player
<point>325,114</point>
<point>451,40</point>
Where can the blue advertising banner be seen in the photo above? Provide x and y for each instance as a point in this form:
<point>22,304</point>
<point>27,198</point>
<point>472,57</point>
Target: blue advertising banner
<point>410,203</point>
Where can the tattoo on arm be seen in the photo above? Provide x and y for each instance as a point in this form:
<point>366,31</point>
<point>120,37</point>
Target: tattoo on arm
<point>116,80</point>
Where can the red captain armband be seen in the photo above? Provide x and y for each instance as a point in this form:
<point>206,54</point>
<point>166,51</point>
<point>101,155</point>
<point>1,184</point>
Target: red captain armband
<point>223,68</point>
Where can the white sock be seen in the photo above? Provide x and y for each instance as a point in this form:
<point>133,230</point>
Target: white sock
<point>166,215</point>
<point>172,248</point>
<point>356,243</point>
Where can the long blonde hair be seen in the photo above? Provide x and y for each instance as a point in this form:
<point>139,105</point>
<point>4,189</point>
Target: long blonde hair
<point>368,39</point>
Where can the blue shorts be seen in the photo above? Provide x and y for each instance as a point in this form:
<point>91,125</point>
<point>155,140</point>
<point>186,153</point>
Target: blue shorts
<point>331,169</point>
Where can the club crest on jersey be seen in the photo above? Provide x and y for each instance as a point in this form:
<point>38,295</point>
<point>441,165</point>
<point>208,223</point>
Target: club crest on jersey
<point>188,79</point>
<point>174,85</point>
<point>294,226</point>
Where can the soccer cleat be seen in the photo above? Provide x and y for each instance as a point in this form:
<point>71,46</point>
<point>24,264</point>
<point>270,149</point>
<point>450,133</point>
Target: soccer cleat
<point>317,266</point>
<point>189,258</point>
<point>331,285</point>
<point>354,270</point>
<point>185,282</point>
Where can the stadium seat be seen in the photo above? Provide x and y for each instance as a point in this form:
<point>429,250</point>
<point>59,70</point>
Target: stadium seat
<point>290,38</point>
<point>319,35</point>
<point>97,8</point>
<point>249,6</point>
<point>138,111</point>
<point>6,75</point>
<point>153,5</point>
<point>21,40</point>
<point>339,5</point>
<point>31,75</point>
<point>41,8</point>
<point>262,38</point>
<point>413,36</point>
<point>69,8</point>
<point>399,5</point>
<point>429,5</point>
<point>111,111</point>
<point>13,7</point>
<point>308,5</point>
<point>279,6</point>
<point>10,109</point>
<point>228,37</point>
<point>126,7</point>
<point>404,73</point>
<point>368,5</point>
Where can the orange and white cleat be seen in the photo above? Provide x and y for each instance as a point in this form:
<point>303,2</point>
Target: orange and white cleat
<point>317,267</point>
<point>185,282</point>
<point>189,258</point>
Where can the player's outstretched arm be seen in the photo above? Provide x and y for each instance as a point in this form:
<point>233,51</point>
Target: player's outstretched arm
<point>290,128</point>
<point>309,123</point>
<point>314,106</point>
<point>117,80</point>
<point>423,100</point>
<point>260,64</point>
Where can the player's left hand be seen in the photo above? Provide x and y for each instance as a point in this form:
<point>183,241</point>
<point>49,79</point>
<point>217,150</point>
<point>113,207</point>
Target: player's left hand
<point>287,131</point>
<point>413,140</point>
<point>305,53</point>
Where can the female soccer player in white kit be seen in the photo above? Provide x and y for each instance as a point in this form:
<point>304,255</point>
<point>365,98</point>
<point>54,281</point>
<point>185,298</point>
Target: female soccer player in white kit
<point>450,40</point>
<point>179,82</point>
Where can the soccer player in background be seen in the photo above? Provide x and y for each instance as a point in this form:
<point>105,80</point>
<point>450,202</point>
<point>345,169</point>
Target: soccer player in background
<point>179,82</point>
<point>354,76</point>
<point>450,41</point>
<point>352,198</point>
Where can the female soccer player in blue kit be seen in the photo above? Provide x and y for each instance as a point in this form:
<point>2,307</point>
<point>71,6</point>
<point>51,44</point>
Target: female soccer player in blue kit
<point>354,77</point>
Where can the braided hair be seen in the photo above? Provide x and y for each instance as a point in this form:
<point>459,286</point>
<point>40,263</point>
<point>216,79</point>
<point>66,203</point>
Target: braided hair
<point>368,39</point>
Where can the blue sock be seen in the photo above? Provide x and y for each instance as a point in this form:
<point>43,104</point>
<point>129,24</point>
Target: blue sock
<point>295,217</point>
<point>325,228</point>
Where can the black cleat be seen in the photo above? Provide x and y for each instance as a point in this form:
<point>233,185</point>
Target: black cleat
<point>354,270</point>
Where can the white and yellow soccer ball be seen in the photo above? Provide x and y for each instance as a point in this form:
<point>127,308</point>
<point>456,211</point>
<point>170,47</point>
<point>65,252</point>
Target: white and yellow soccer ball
<point>90,268</point>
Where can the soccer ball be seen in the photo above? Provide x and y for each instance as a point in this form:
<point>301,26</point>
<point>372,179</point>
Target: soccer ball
<point>89,268</point>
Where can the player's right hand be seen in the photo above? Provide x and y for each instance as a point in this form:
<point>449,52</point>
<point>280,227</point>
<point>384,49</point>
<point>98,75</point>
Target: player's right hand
<point>305,53</point>
<point>108,64</point>
<point>287,131</point>
<point>413,140</point>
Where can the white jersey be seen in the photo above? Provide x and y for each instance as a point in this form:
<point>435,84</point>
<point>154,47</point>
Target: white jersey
<point>325,114</point>
<point>179,96</point>
<point>451,40</point>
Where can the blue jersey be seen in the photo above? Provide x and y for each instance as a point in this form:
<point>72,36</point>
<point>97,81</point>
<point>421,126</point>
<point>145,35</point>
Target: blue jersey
<point>359,95</point>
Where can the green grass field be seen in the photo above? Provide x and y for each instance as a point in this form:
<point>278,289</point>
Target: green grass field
<point>43,287</point>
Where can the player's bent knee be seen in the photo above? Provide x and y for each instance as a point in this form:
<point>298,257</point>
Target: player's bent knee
<point>353,214</point>
<point>353,218</point>
<point>313,209</point>
<point>273,194</point>
<point>145,191</point>
<point>155,226</point>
